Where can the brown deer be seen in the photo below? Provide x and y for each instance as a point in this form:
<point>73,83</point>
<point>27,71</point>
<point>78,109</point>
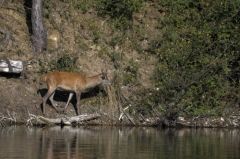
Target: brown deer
<point>74,83</point>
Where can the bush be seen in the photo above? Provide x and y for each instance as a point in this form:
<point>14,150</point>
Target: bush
<point>65,63</point>
<point>120,11</point>
<point>81,5</point>
<point>200,43</point>
<point>130,74</point>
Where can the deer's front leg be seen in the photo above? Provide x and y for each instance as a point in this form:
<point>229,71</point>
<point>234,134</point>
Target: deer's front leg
<point>77,106</point>
<point>52,100</point>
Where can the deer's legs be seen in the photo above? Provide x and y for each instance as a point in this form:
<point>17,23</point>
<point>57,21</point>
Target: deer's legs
<point>69,99</point>
<point>52,100</point>
<point>78,97</point>
<point>45,98</point>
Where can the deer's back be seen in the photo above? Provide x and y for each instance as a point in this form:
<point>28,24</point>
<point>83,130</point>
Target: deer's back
<point>65,80</point>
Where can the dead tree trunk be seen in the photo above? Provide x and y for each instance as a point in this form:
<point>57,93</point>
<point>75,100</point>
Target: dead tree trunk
<point>39,34</point>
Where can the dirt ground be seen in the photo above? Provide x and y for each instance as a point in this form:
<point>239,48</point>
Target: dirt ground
<point>18,97</point>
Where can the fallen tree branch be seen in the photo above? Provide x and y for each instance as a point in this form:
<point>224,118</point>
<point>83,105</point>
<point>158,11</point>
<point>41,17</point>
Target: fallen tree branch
<point>66,121</point>
<point>122,114</point>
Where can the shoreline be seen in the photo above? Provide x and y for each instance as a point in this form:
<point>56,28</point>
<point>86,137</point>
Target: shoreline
<point>231,122</point>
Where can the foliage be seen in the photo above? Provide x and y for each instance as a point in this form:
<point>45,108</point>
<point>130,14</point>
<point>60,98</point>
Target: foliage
<point>143,102</point>
<point>47,6</point>
<point>120,11</point>
<point>198,70</point>
<point>116,58</point>
<point>130,74</point>
<point>83,5</point>
<point>65,62</point>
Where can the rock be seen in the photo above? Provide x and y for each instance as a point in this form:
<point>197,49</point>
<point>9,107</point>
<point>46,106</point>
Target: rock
<point>11,66</point>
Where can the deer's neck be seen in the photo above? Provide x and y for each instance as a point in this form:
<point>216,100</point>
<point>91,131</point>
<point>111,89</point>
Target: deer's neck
<point>93,81</point>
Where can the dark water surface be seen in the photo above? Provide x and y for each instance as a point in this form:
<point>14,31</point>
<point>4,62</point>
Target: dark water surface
<point>118,143</point>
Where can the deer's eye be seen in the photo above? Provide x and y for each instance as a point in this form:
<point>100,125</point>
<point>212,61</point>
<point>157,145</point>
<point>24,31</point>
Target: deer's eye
<point>104,76</point>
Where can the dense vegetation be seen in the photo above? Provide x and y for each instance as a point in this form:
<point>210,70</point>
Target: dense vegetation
<point>199,61</point>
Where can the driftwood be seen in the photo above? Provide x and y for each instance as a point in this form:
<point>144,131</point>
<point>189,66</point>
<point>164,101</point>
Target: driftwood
<point>124,113</point>
<point>11,66</point>
<point>63,121</point>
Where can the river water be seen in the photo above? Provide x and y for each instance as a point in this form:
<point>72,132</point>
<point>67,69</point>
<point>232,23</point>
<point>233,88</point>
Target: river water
<point>118,143</point>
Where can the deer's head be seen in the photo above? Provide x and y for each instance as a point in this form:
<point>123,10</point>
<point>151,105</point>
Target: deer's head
<point>104,77</point>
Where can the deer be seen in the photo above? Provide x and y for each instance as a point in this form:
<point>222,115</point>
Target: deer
<point>73,82</point>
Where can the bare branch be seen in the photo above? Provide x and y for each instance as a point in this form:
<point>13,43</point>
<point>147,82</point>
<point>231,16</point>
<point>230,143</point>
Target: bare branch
<point>11,118</point>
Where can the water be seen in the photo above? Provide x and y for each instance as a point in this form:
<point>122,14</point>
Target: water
<point>118,143</point>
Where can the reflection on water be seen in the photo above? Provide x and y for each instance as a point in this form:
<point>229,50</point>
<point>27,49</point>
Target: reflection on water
<point>118,143</point>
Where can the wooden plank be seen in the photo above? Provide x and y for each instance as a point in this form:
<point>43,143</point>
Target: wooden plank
<point>11,66</point>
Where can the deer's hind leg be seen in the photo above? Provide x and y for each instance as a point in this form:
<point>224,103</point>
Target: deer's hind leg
<point>77,106</point>
<point>45,98</point>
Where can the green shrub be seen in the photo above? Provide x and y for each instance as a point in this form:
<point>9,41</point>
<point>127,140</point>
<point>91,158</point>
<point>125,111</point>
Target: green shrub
<point>116,58</point>
<point>117,40</point>
<point>199,45</point>
<point>65,63</point>
<point>130,74</point>
<point>81,5</point>
<point>120,11</point>
<point>47,8</point>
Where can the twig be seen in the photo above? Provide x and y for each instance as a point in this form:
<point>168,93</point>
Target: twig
<point>10,118</point>
<point>122,113</point>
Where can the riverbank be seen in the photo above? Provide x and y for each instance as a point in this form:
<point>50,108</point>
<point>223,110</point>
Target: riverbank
<point>21,105</point>
<point>97,120</point>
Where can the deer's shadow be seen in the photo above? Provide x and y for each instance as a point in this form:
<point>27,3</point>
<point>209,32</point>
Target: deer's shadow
<point>62,96</point>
